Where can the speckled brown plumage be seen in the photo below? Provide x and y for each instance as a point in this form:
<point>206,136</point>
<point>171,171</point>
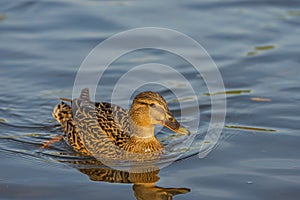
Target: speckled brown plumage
<point>112,132</point>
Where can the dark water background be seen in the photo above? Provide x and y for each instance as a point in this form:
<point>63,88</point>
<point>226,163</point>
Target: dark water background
<point>255,44</point>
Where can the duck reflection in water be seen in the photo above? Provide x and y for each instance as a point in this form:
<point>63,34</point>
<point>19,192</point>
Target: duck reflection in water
<point>143,182</point>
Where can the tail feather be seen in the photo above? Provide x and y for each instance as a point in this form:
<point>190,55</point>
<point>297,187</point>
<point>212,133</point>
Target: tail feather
<point>85,94</point>
<point>62,112</point>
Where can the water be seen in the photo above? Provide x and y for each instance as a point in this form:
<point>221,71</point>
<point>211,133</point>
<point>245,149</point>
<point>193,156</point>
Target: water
<point>255,44</point>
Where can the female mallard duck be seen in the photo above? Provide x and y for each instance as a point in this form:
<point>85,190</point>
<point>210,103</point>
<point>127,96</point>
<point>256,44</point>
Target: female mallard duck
<point>108,129</point>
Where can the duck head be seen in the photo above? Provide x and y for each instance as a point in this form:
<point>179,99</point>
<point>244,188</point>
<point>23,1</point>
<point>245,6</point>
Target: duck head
<point>149,109</point>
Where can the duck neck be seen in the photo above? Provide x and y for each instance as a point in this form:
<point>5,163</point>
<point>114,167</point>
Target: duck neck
<point>143,132</point>
<point>142,140</point>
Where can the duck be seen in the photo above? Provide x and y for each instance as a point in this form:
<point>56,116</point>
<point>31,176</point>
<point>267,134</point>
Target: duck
<point>107,129</point>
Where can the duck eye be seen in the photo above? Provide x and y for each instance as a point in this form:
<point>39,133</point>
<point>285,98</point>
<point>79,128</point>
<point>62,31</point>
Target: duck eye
<point>152,105</point>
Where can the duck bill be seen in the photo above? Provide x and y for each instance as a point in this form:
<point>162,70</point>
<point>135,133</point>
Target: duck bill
<point>172,124</point>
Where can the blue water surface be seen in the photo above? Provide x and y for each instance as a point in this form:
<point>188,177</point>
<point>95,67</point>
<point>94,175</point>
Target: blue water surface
<point>255,45</point>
